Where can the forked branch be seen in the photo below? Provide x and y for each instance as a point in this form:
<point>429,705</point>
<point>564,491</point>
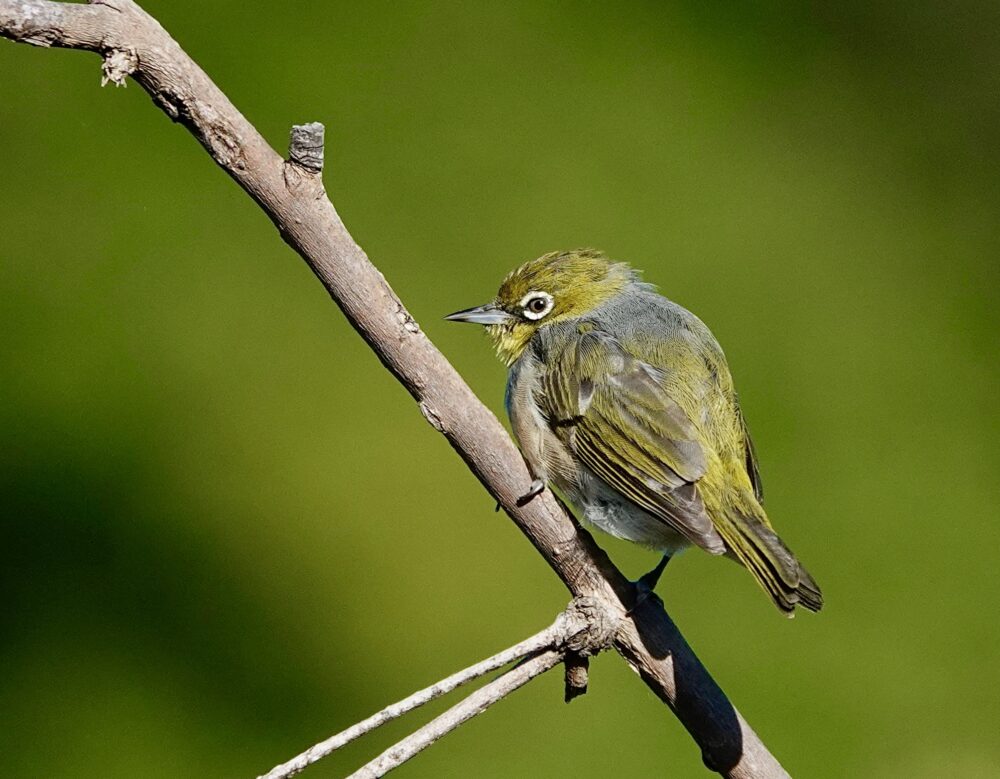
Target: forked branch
<point>461,712</point>
<point>569,633</point>
<point>291,193</point>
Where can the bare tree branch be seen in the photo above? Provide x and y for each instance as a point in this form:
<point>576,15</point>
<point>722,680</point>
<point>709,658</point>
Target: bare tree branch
<point>466,709</point>
<point>555,636</point>
<point>292,195</point>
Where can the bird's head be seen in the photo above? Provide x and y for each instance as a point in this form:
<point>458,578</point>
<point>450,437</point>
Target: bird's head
<point>555,287</point>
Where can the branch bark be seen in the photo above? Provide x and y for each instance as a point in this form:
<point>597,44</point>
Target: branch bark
<point>291,193</point>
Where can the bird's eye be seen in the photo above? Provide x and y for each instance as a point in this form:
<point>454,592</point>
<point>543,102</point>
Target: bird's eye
<point>535,305</point>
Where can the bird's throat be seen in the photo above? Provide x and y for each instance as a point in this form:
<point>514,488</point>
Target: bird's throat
<point>510,340</point>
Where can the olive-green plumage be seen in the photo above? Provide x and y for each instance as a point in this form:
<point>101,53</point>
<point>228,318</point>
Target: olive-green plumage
<point>623,400</point>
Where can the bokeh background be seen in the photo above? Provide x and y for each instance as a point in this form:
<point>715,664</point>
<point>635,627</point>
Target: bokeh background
<point>227,533</point>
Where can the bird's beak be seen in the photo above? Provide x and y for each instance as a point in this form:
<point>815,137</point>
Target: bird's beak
<point>481,315</point>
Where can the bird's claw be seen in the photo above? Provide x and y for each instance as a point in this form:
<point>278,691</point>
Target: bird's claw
<point>537,488</point>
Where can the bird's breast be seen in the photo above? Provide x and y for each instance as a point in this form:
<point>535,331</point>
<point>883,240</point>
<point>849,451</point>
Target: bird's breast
<point>547,452</point>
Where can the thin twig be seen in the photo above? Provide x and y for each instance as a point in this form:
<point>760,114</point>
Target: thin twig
<point>549,638</point>
<point>466,709</point>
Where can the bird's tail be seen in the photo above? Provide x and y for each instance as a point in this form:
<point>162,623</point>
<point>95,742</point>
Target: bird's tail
<point>772,564</point>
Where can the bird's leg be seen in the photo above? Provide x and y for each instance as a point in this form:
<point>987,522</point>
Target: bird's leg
<point>537,488</point>
<point>646,583</point>
<point>650,579</point>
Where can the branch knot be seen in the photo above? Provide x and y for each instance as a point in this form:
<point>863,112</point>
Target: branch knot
<point>305,148</point>
<point>118,65</point>
<point>590,628</point>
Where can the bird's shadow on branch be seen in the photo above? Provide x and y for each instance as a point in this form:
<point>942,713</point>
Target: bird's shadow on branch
<point>700,703</point>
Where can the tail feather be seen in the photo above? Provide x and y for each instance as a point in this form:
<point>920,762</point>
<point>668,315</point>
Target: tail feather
<point>810,595</point>
<point>772,564</point>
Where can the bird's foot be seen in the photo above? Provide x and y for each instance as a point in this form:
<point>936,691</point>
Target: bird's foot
<point>643,592</point>
<point>537,488</point>
<point>646,584</point>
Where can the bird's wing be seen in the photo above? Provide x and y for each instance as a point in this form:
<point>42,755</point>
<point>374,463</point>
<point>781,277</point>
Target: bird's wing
<point>629,432</point>
<point>753,469</point>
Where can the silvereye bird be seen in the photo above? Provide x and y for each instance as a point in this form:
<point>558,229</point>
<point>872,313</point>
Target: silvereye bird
<point>624,402</point>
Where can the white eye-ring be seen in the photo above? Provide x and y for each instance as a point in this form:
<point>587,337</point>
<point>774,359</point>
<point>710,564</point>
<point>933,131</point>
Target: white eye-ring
<point>536,304</point>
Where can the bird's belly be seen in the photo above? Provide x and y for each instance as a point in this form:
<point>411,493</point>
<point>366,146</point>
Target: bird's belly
<point>607,510</point>
<point>551,458</point>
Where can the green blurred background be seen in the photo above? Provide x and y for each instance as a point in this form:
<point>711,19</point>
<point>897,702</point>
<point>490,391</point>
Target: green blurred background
<point>227,532</point>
